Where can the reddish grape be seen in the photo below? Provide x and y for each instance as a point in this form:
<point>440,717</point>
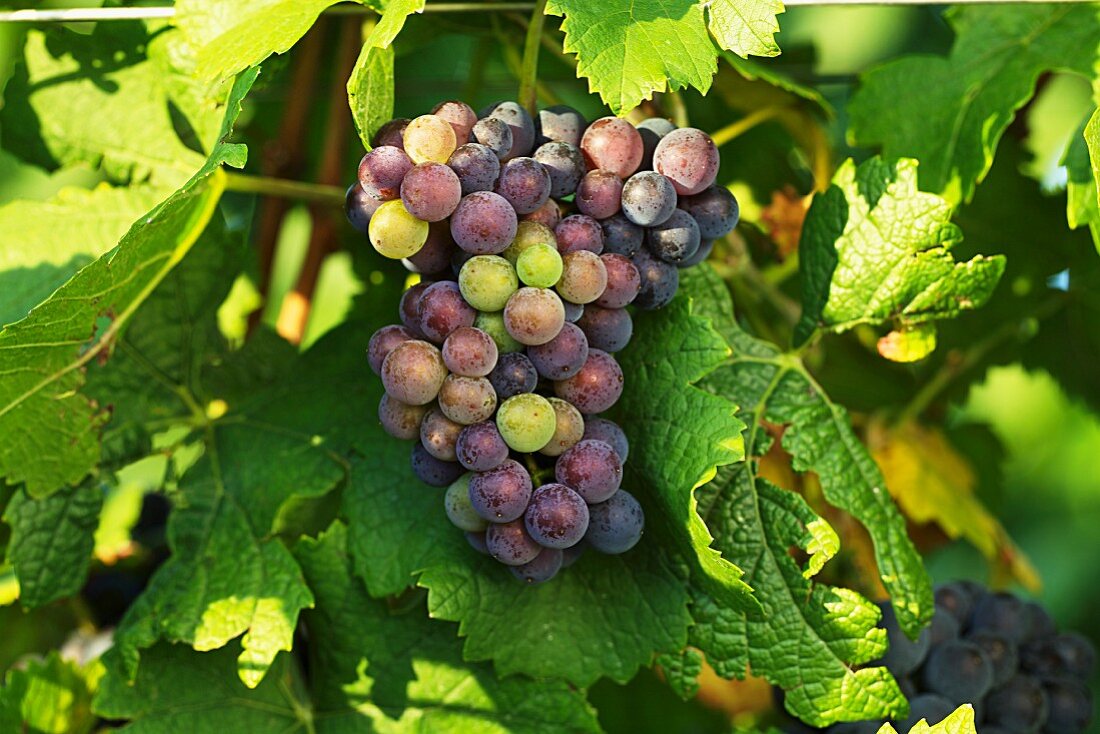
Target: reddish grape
<point>608,329</point>
<point>439,434</point>
<point>433,471</point>
<point>413,372</point>
<point>431,191</point>
<point>548,214</point>
<point>382,170</point>
<point>442,310</point>
<point>513,375</point>
<point>510,543</point>
<point>435,256</point>
<point>476,166</point>
<point>480,447</point>
<point>400,420</point>
<point>568,429</point>
<point>592,469</point>
<point>502,493</point>
<point>409,308</point>
<point>579,232</point>
<point>557,516</point>
<point>484,223</point>
<point>623,281</point>
<point>561,357</point>
<point>467,400</point>
<point>382,342</point>
<point>495,135</point>
<point>613,144</point>
<point>601,429</point>
<point>599,194</point>
<point>525,183</point>
<point>392,133</point>
<point>596,387</point>
<point>534,315</point>
<point>469,352</point>
<point>461,117</point>
<point>689,158</point>
<point>583,277</point>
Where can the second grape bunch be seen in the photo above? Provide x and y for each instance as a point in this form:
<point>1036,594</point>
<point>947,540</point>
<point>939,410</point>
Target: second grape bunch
<point>532,238</point>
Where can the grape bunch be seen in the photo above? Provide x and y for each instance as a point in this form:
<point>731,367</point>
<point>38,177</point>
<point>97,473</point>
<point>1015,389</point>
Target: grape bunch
<point>996,651</point>
<point>532,240</point>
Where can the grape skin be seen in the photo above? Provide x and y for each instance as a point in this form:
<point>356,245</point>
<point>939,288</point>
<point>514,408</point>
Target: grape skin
<point>359,207</point>
<point>903,655</point>
<point>616,525</point>
<point>495,135</point>
<point>534,316</point>
<point>431,191</point>
<point>579,232</point>
<point>676,239</point>
<point>476,166</point>
<point>1002,613</point>
<point>959,671</point>
<point>944,627</point>
<point>560,124</point>
<point>480,447</point>
<point>957,598</point>
<point>413,372</point>
<point>502,493</point>
<point>621,236</point>
<point>539,266</point>
<point>433,471</point>
<point>470,352</point>
<point>599,194</point>
<point>540,570</point>
<point>608,329</point>
<point>477,542</point>
<point>526,422</point>
<point>529,234</point>
<point>392,134</point>
<point>400,420</point>
<point>435,256</point>
<point>513,375</point>
<point>596,387</point>
<point>459,115</point>
<point>565,165</point>
<point>557,516</point>
<point>409,308</point>
<point>689,158</point>
<point>439,434</point>
<point>623,281</point>
<point>601,429</point>
<point>382,170</point>
<point>583,277</point>
<point>492,323</point>
<point>660,281</point>
<point>1000,650</point>
<point>1020,704</point>
<point>573,311</point>
<point>548,214</point>
<point>511,544</point>
<point>459,509</point>
<point>484,223</point>
<point>568,429</point>
<point>487,282</point>
<point>382,342</point>
<point>525,183</point>
<point>561,357</point>
<point>714,209</point>
<point>592,469</point>
<point>705,248</point>
<point>612,144</point>
<point>467,400</point>
<point>648,199</point>
<point>429,139</point>
<point>651,131</point>
<point>1070,706</point>
<point>523,127</point>
<point>442,309</point>
<point>394,232</point>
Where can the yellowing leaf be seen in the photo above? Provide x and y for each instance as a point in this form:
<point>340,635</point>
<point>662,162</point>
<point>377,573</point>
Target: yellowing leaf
<point>961,721</point>
<point>908,344</point>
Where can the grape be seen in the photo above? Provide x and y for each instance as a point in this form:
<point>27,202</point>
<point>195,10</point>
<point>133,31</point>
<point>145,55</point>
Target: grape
<point>689,158</point>
<point>476,166</point>
<point>529,234</point>
<point>544,567</point>
<point>660,281</point>
<point>944,627</point>
<point>560,124</point>
<point>480,447</point>
<point>592,469</point>
<point>705,247</point>
<point>459,115</point>
<point>931,707</point>
<point>431,191</point>
<point>957,598</point>
<point>561,357</point>
<point>495,135</point>
<point>435,256</point>
<point>613,144</point>
<point>433,471</point>
<point>399,419</point>
<point>469,352</point>
<point>652,130</point>
<point>442,310</point>
<point>583,277</point>
<point>596,387</point>
<point>467,400</point>
<point>492,323</point>
<point>1070,709</point>
<point>513,375</point>
<point>564,163</point>
<point>534,315</point>
<point>539,266</point>
<point>429,139</point>
<point>1001,652</point>
<point>579,232</point>
<point>459,509</point>
<point>1020,705</point>
<point>621,236</point>
<point>523,127</point>
<point>676,239</point>
<point>510,543</point>
<point>502,493</point>
<point>392,133</point>
<point>557,516</point>
<point>439,434</point>
<point>570,555</point>
<point>1064,654</point>
<point>601,429</point>
<point>526,422</point>
<point>573,311</point>
<point>413,372</point>
<point>525,183</point>
<point>623,281</point>
<point>1002,613</point>
<point>903,655</point>
<point>382,342</point>
<point>608,329</point>
<point>648,199</point>
<point>714,209</point>
<point>394,232</point>
<point>599,194</point>
<point>484,223</point>
<point>487,282</point>
<point>1042,624</point>
<point>616,525</point>
<point>410,308</point>
<point>359,207</point>
<point>568,429</point>
<point>477,542</point>
<point>548,214</point>
<point>959,671</point>
<point>382,170</point>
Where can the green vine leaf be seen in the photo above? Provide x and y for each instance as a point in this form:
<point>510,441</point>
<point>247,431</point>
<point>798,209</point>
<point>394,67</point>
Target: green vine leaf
<point>961,721</point>
<point>392,21</point>
<point>1082,162</point>
<point>50,695</point>
<point>370,91</point>
<point>746,27</point>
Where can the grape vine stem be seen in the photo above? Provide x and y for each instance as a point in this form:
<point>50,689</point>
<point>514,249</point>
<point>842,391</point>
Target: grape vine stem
<point>267,186</point>
<point>529,71</point>
<point>746,123</point>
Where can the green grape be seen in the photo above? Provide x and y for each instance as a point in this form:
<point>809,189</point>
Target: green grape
<point>528,234</point>
<point>487,282</point>
<point>539,266</point>
<point>459,510</point>
<point>394,232</point>
<point>492,323</point>
<point>526,422</point>
<point>429,139</point>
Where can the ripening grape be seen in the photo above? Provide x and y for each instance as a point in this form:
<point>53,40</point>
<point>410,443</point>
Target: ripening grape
<point>705,247</point>
<point>502,493</point>
<point>958,599</point>
<point>513,375</point>
<point>1059,654</point>
<point>433,471</point>
<point>429,139</point>
<point>583,277</point>
<point>526,422</point>
<point>480,447</point>
<point>1000,650</point>
<point>435,256</point>
<point>608,329</point>
<point>674,240</point>
<point>392,133</point>
<point>623,281</point>
<point>459,509</point>
<point>1002,613</point>
<point>557,516</point>
<point>548,214</point>
<point>400,420</point>
<point>601,429</point>
<point>660,281</point>
<point>596,387</point>
<point>592,469</point>
<point>689,158</point>
<point>382,170</point>
<point>568,429</point>
<point>539,266</point>
<point>413,372</point>
<point>409,308</point>
<point>564,163</point>
<point>439,434</point>
<point>459,115</point>
<point>476,166</point>
<point>523,127</point>
<point>579,232</point>
<point>613,144</point>
<point>652,130</point>
<point>544,567</point>
<point>714,209</point>
<point>431,191</point>
<point>470,352</point>
<point>944,627</point>
<point>1021,704</point>
<point>442,309</point>
<point>495,135</point>
<point>492,323</point>
<point>616,525</point>
<point>959,671</point>
<point>487,282</point>
<point>534,315</point>
<point>903,655</point>
<point>525,183</point>
<point>648,199</point>
<point>1042,624</point>
<point>382,342</point>
<point>561,124</point>
<point>527,235</point>
<point>477,542</point>
<point>467,400</point>
<point>510,543</point>
<point>573,311</point>
<point>1070,706</point>
<point>621,236</point>
<point>561,357</point>
<point>359,207</point>
<point>599,194</point>
<point>394,232</point>
<point>484,223</point>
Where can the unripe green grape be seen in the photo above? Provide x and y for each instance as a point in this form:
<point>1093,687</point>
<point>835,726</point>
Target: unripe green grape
<point>526,422</point>
<point>487,282</point>
<point>460,512</point>
<point>492,323</point>
<point>429,138</point>
<point>394,232</point>
<point>527,234</point>
<point>539,266</point>
<point>568,430</point>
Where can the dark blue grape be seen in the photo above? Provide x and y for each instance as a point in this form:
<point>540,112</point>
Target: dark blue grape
<point>660,281</point>
<point>958,598</point>
<point>1020,705</point>
<point>903,655</point>
<point>608,329</point>
<point>1064,654</point>
<point>1001,652</point>
<point>621,236</point>
<point>513,375</point>
<point>434,258</point>
<point>674,240</point>
<point>648,199</point>
<point>476,166</point>
<point>359,207</point>
<point>705,248</point>
<point>433,471</point>
<point>616,525</point>
<point>544,567</point>
<point>495,135</point>
<point>714,209</point>
<point>959,671</point>
<point>652,130</point>
<point>1070,706</point>
<point>561,357</point>
<point>564,163</point>
<point>944,627</point>
<point>523,127</point>
<point>1002,613</point>
<point>557,516</point>
<point>480,447</point>
<point>601,429</point>
<point>477,542</point>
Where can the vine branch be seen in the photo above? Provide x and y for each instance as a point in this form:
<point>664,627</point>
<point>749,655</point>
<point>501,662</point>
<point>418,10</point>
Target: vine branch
<point>528,78</point>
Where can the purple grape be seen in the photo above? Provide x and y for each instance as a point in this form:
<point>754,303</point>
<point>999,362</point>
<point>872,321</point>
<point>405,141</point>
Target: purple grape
<point>359,207</point>
<point>442,310</point>
<point>523,127</point>
<point>382,170</point>
<point>431,470</point>
<point>660,281</point>
<point>484,223</point>
<point>548,214</point>
<point>689,158</point>
<point>557,516</point>
<point>1000,650</point>
<point>674,240</point>
<point>501,494</point>
<point>652,130</point>
<point>705,248</point>
<point>561,124</point>
<point>382,342</point>
<point>621,236</point>
<point>572,554</point>
<point>480,447</point>
<point>400,420</point>
<point>476,166</point>
<point>469,352</point>
<point>467,400</point>
<point>608,329</point>
<point>623,281</point>
<point>596,387</point>
<point>510,543</point>
<point>495,135</point>
<point>435,256</point>
<point>714,209</point>
<point>648,199</point>
<point>573,311</point>
<point>525,183</point>
<point>579,232</point>
<point>439,434</point>
<point>599,194</point>
<point>409,308</point>
<point>613,144</point>
<point>1021,705</point>
<point>477,542</point>
<point>616,525</point>
<point>543,568</point>
<point>568,428</point>
<point>391,134</point>
<point>534,315</point>
<point>561,357</point>
<point>601,429</point>
<point>460,115</point>
<point>413,372</point>
<point>564,163</point>
<point>592,469</point>
<point>513,375</point>
<point>431,191</point>
<point>1070,706</point>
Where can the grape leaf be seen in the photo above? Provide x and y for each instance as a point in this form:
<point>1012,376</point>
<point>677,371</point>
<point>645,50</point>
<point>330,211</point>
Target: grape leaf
<point>746,27</point>
<point>402,672</point>
<point>874,249</point>
<point>51,695</point>
<point>52,540</point>
<point>968,98</point>
<point>392,21</point>
<point>370,91</point>
<point>961,721</point>
<point>1082,162</point>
